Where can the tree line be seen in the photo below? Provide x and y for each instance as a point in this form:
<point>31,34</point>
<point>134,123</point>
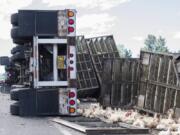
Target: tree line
<point>151,43</point>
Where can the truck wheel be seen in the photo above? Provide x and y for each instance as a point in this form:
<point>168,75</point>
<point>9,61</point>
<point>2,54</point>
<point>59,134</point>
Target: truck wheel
<point>18,57</point>
<point>14,94</point>
<point>18,48</point>
<point>15,33</point>
<point>14,19</point>
<point>14,108</point>
<point>19,41</point>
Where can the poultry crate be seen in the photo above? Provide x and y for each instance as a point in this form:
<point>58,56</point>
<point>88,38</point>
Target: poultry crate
<point>119,82</point>
<point>86,77</point>
<point>99,48</point>
<point>159,82</point>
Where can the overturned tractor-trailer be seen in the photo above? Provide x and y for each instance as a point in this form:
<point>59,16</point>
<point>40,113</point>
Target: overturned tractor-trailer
<point>45,53</point>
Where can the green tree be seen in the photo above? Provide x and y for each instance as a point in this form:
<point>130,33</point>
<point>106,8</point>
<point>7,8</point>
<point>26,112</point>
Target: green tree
<point>154,44</point>
<point>124,52</point>
<point>127,53</point>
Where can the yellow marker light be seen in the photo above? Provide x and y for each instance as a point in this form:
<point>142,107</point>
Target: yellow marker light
<point>72,110</point>
<point>70,14</point>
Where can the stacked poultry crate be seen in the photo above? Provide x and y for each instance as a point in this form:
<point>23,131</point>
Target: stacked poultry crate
<point>119,82</point>
<point>151,83</point>
<point>90,56</point>
<point>100,48</point>
<point>117,76</point>
<point>86,76</point>
<point>159,82</point>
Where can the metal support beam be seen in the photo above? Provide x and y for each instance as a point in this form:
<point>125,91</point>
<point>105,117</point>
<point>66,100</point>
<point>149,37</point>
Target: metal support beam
<point>52,41</point>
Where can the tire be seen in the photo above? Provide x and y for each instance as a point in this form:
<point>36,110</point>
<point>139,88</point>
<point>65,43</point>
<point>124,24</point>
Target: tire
<point>14,108</point>
<point>14,19</point>
<point>18,49</point>
<point>15,33</point>
<point>14,94</point>
<point>18,57</point>
<point>20,41</point>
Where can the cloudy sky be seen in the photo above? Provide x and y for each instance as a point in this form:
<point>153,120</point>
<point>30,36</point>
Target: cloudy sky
<point>130,21</point>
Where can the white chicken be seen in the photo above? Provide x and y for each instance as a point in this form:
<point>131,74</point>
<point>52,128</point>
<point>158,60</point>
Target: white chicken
<point>176,132</point>
<point>162,127</point>
<point>80,110</point>
<point>139,123</point>
<point>175,127</point>
<point>171,113</point>
<point>178,121</point>
<point>78,101</point>
<point>110,115</point>
<point>88,113</point>
<point>130,116</point>
<point>114,117</point>
<point>164,123</point>
<point>168,132</point>
<point>167,122</point>
<point>151,122</point>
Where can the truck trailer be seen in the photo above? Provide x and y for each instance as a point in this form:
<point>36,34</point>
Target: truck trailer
<point>45,55</point>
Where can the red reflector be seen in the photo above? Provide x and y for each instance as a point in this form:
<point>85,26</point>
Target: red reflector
<point>71,55</point>
<point>71,94</point>
<point>70,29</point>
<point>72,102</point>
<point>71,21</point>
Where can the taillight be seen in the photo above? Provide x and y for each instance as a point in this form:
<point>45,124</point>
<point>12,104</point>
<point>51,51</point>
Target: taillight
<point>71,21</point>
<point>70,29</point>
<point>71,94</point>
<point>70,14</point>
<point>72,102</point>
<point>72,110</point>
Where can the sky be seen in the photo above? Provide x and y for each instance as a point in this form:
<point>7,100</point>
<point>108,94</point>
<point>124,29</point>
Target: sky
<point>129,21</point>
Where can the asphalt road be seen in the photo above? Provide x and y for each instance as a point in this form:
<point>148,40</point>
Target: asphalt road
<point>14,125</point>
